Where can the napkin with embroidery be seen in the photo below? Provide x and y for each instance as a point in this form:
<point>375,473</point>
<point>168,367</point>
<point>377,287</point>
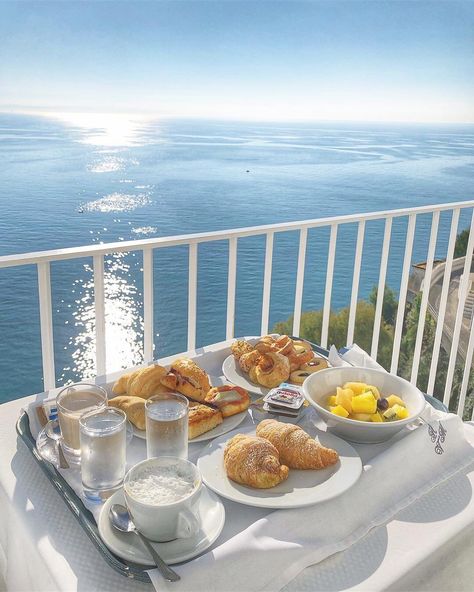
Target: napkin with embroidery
<point>271,552</point>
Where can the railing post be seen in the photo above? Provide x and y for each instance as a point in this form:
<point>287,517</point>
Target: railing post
<point>381,288</point>
<point>442,303</point>
<point>467,370</point>
<point>99,304</point>
<point>328,287</point>
<point>397,338</point>
<point>46,325</point>
<point>299,282</point>
<point>148,323</point>
<point>231,288</point>
<point>462,294</point>
<point>424,298</point>
<point>192,294</point>
<point>355,283</point>
<point>267,283</point>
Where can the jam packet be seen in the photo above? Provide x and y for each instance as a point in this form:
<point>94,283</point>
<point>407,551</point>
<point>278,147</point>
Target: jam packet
<point>286,395</point>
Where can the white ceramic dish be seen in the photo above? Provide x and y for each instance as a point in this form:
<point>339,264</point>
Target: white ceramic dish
<point>129,546</point>
<point>235,375</point>
<point>302,488</point>
<point>229,423</point>
<point>320,385</point>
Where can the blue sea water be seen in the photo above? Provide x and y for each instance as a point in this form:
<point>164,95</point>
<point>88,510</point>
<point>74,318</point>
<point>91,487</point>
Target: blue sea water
<point>79,180</point>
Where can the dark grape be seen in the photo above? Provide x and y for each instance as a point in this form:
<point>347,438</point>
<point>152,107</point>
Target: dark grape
<point>382,404</point>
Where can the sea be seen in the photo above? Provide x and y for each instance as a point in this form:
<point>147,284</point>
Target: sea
<point>74,179</point>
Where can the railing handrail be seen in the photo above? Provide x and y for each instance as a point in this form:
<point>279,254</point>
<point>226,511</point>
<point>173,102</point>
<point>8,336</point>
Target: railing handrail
<point>186,239</point>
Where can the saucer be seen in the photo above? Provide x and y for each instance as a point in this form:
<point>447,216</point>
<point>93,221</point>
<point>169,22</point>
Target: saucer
<point>128,546</point>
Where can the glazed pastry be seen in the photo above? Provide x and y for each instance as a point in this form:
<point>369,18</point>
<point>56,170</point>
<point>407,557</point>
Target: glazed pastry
<point>186,377</point>
<point>296,448</point>
<point>266,344</point>
<point>249,359</point>
<point>299,376</point>
<point>228,399</point>
<point>253,461</point>
<point>298,360</point>
<point>240,347</point>
<point>301,346</point>
<point>253,374</point>
<point>146,382</point>
<point>134,408</point>
<point>272,369</point>
<point>285,345</point>
<point>202,419</point>
<point>314,365</point>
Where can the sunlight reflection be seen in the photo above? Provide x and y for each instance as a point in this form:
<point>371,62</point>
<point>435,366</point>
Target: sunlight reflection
<point>107,129</point>
<point>124,322</point>
<point>117,202</point>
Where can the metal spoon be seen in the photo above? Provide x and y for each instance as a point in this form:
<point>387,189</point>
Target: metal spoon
<point>54,432</point>
<point>121,520</point>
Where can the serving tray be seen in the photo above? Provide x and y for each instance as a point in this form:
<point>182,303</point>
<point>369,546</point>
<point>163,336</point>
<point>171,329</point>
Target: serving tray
<point>86,518</point>
<point>75,505</point>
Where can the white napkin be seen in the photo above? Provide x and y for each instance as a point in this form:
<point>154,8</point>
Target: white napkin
<point>271,552</point>
<point>353,356</point>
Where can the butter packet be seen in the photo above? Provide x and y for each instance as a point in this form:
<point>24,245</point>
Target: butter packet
<point>286,395</point>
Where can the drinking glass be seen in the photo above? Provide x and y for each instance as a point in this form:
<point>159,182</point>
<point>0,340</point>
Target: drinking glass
<point>167,425</point>
<point>103,436</point>
<point>72,402</point>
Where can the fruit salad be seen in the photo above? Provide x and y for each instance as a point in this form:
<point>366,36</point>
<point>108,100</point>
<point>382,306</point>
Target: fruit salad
<point>364,402</point>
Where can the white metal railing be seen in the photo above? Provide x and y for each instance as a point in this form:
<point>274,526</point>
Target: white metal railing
<point>43,259</point>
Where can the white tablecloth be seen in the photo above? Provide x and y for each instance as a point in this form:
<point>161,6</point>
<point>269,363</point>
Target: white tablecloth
<point>429,546</point>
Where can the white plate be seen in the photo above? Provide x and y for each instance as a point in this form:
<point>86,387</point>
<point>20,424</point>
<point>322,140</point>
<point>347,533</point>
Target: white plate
<point>302,488</point>
<point>229,423</point>
<point>129,546</point>
<point>237,376</point>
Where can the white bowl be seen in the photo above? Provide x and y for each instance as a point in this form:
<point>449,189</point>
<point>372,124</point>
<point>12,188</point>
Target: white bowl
<point>318,386</point>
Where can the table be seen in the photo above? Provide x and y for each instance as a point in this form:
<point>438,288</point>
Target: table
<point>429,546</point>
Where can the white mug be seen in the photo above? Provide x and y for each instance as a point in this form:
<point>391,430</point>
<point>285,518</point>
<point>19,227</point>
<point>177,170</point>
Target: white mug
<point>165,521</point>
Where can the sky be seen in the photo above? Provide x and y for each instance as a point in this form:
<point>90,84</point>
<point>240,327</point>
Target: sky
<point>255,60</point>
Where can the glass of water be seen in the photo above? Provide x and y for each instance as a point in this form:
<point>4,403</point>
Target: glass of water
<point>103,436</point>
<point>167,425</point>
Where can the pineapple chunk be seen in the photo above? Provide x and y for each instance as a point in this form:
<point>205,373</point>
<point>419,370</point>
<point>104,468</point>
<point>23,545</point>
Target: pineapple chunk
<point>364,403</point>
<point>356,387</point>
<point>374,390</point>
<point>344,398</point>
<point>331,401</point>
<point>376,417</point>
<point>339,410</point>
<point>394,400</point>
<point>361,416</point>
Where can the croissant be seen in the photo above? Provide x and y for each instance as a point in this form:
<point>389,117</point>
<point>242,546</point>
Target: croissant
<point>147,382</point>
<point>120,387</point>
<point>253,461</point>
<point>134,408</point>
<point>297,449</point>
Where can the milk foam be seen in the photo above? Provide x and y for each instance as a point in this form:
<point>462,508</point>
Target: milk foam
<point>161,485</point>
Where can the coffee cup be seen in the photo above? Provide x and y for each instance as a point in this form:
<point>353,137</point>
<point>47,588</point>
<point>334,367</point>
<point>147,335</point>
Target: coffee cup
<point>162,495</point>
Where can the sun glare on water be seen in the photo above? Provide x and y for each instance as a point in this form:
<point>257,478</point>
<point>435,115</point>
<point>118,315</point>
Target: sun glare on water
<point>106,129</point>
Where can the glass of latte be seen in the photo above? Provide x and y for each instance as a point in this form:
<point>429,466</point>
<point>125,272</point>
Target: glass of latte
<point>72,402</point>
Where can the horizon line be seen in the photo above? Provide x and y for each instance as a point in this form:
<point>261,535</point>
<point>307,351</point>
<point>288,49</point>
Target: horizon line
<point>58,112</point>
